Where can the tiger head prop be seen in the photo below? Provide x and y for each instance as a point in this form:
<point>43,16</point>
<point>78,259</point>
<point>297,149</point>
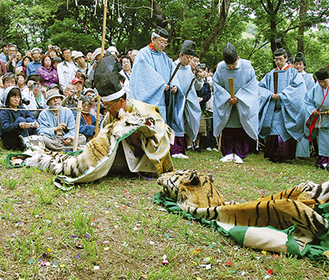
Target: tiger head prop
<point>190,188</point>
<point>196,194</point>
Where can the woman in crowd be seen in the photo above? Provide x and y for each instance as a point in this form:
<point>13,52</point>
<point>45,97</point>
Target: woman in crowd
<point>54,63</point>
<point>21,83</point>
<point>47,72</point>
<point>88,121</point>
<point>126,64</point>
<point>15,123</point>
<point>22,69</point>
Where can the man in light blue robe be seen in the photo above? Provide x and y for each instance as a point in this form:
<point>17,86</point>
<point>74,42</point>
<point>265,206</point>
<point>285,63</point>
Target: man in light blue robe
<point>303,147</point>
<point>187,111</point>
<point>317,106</point>
<point>151,74</point>
<point>236,114</point>
<point>281,114</point>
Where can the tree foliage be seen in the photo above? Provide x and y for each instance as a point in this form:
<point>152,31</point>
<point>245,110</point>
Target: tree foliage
<point>251,25</point>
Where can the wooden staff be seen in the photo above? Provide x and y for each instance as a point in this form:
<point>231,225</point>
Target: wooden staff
<point>189,88</point>
<point>173,75</point>
<point>98,113</point>
<point>231,85</point>
<point>104,27</point>
<point>77,126</point>
<point>102,54</point>
<point>275,77</point>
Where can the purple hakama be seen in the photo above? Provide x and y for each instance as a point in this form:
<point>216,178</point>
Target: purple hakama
<point>235,140</point>
<point>277,150</point>
<point>178,147</point>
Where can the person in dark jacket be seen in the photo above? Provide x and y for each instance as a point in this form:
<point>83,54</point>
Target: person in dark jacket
<point>15,122</point>
<point>87,121</point>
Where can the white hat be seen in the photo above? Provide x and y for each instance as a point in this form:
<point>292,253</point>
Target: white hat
<point>97,52</point>
<point>113,50</point>
<point>51,94</point>
<point>78,54</point>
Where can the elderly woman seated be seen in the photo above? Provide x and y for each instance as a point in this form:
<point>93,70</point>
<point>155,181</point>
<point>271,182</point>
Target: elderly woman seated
<point>15,122</point>
<point>87,121</point>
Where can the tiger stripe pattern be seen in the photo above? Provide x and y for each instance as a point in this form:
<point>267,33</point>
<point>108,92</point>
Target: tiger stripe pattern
<point>281,210</point>
<point>95,151</point>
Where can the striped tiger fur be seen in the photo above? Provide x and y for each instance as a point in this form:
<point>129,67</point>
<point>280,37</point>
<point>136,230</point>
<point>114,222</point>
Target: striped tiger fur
<point>95,151</point>
<point>197,195</point>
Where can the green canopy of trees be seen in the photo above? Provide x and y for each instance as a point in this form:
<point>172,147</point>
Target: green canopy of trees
<point>251,25</point>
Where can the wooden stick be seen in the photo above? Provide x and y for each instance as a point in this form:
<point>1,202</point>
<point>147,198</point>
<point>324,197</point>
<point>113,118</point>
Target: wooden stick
<point>231,85</point>
<point>275,78</point>
<point>98,113</point>
<point>104,27</point>
<point>173,75</point>
<point>77,127</point>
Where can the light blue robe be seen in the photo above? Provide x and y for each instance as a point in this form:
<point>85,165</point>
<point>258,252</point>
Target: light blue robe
<point>150,74</point>
<point>285,116</point>
<point>189,108</point>
<point>303,147</point>
<point>313,100</point>
<point>48,122</point>
<point>243,114</point>
<point>309,81</point>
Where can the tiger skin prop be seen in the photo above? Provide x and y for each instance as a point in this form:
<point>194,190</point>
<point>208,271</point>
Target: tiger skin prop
<point>95,150</point>
<point>197,195</point>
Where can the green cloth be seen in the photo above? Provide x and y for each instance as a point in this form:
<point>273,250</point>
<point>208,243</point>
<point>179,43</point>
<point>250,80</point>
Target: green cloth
<point>314,251</point>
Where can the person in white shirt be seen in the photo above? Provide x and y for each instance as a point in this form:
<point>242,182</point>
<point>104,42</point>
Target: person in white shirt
<point>67,69</point>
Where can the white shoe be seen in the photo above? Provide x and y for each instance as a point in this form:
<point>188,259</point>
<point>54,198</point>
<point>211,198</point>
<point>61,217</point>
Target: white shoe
<point>209,149</point>
<point>227,158</point>
<point>183,156</point>
<point>237,159</point>
<point>189,148</point>
<point>196,147</point>
<point>175,156</point>
<point>215,150</point>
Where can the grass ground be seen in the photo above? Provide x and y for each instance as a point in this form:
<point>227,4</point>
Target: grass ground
<point>110,229</point>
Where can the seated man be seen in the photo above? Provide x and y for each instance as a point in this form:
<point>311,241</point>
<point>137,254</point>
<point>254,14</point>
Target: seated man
<point>137,153</point>
<point>57,125</point>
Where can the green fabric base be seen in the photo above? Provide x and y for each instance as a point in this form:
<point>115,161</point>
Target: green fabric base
<point>314,251</point>
<point>9,156</point>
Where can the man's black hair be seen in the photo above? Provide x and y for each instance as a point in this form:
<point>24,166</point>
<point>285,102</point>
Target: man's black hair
<point>35,77</point>
<point>280,52</point>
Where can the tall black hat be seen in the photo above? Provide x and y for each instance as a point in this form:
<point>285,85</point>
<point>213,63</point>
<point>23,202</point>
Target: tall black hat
<point>322,74</point>
<point>106,78</point>
<point>188,47</point>
<point>300,57</point>
<point>230,54</point>
<point>161,32</point>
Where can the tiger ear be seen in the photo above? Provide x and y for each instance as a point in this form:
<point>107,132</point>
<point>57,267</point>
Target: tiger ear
<point>194,179</point>
<point>211,178</point>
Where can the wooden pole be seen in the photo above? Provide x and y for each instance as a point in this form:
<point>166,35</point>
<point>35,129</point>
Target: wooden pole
<point>98,113</point>
<point>77,126</point>
<point>102,54</point>
<point>104,27</point>
<point>275,78</point>
<point>231,85</point>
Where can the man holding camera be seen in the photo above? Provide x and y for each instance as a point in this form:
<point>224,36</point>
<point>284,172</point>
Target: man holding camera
<point>34,99</point>
<point>12,59</point>
<point>57,125</point>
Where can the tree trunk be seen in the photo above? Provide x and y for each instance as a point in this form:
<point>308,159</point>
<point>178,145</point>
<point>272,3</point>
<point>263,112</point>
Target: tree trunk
<point>219,25</point>
<point>302,18</point>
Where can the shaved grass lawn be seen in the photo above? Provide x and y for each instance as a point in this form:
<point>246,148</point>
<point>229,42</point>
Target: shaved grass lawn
<point>110,229</point>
